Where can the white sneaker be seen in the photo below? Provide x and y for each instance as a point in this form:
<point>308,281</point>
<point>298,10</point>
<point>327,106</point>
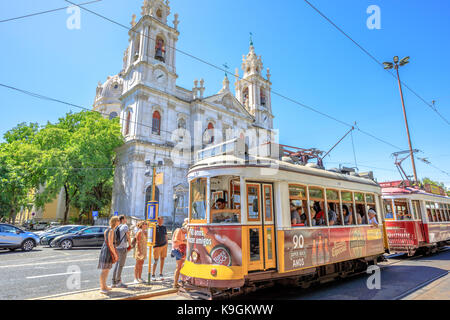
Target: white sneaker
<point>136,281</point>
<point>154,278</point>
<point>141,280</point>
<point>161,277</point>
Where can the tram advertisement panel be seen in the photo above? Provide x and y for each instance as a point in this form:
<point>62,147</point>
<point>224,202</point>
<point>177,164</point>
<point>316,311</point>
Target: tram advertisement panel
<point>216,245</point>
<point>404,233</point>
<point>314,247</point>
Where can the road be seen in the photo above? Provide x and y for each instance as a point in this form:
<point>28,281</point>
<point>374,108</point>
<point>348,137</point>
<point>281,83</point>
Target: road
<point>400,277</point>
<point>46,272</point>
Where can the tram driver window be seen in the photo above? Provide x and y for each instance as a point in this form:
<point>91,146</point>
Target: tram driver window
<point>298,206</point>
<point>389,215</point>
<point>221,209</point>
<point>401,207</point>
<point>317,207</point>
<point>198,199</point>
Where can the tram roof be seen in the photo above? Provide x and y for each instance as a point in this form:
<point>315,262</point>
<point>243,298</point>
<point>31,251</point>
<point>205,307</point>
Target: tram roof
<point>395,191</point>
<point>231,161</point>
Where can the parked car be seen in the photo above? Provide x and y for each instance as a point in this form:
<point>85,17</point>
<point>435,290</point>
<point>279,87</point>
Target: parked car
<point>48,230</point>
<point>47,238</point>
<point>88,237</point>
<point>40,225</point>
<point>13,238</point>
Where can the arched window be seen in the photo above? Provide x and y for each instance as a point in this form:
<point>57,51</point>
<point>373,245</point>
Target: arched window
<point>127,123</point>
<point>210,132</point>
<point>262,97</point>
<point>148,197</point>
<point>245,96</point>
<point>156,123</point>
<point>160,49</point>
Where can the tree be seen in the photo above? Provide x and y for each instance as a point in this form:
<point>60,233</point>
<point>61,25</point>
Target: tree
<point>78,156</point>
<point>17,156</point>
<point>433,183</point>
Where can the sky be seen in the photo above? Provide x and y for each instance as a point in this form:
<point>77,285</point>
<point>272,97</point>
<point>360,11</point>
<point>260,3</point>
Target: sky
<point>310,62</point>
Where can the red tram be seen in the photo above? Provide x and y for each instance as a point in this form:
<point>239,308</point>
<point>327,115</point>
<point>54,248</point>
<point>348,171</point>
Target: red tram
<point>415,218</point>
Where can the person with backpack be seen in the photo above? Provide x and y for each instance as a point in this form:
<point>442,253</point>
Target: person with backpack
<point>121,243</point>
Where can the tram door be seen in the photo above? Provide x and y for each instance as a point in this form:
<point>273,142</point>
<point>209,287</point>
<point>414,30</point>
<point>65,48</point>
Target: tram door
<point>261,227</point>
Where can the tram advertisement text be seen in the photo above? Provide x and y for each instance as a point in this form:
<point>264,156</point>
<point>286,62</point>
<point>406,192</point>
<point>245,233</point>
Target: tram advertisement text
<point>308,248</point>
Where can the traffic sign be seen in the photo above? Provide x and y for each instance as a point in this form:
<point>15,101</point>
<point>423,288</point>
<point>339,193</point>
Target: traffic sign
<point>116,213</point>
<point>94,214</point>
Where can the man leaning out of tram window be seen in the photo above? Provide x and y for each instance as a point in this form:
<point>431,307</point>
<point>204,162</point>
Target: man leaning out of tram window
<point>219,205</point>
<point>373,218</point>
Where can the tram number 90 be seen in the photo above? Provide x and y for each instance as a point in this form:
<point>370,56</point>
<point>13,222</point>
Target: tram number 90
<point>299,241</point>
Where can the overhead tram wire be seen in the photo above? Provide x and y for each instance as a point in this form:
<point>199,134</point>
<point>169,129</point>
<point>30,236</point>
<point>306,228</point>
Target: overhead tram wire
<point>42,97</point>
<point>375,59</point>
<point>231,74</point>
<point>44,12</point>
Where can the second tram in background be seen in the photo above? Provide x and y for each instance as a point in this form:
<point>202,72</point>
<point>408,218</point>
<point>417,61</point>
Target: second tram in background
<point>416,219</point>
<point>254,221</point>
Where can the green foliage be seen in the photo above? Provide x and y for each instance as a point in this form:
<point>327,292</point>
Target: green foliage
<point>75,154</point>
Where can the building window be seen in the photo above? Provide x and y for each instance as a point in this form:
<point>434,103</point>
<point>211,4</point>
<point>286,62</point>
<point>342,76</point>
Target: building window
<point>211,132</point>
<point>156,123</point>
<point>127,124</point>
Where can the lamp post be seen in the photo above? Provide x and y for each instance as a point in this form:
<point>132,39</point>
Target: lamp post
<point>399,63</point>
<point>175,202</point>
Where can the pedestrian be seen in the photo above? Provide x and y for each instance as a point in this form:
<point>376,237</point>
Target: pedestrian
<point>108,254</point>
<point>140,252</point>
<point>179,250</point>
<point>123,245</point>
<point>373,218</point>
<point>160,248</point>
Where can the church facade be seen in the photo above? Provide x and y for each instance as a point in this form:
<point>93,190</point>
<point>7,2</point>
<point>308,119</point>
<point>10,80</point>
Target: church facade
<point>163,123</point>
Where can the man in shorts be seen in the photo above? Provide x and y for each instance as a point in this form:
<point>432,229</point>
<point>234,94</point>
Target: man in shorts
<point>160,248</point>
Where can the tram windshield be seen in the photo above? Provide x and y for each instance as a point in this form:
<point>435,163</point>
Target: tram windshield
<point>198,200</point>
<point>225,199</point>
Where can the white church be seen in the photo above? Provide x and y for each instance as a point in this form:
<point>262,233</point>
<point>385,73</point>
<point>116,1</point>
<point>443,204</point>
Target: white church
<point>154,113</point>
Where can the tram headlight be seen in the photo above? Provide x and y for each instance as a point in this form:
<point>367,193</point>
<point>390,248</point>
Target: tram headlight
<point>214,272</point>
<point>195,256</point>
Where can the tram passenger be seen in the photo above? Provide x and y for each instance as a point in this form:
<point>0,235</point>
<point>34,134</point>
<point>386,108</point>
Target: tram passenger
<point>332,216</point>
<point>295,217</point>
<point>218,216</point>
<point>319,217</point>
<point>303,217</point>
<point>179,250</point>
<point>373,218</point>
<point>348,216</point>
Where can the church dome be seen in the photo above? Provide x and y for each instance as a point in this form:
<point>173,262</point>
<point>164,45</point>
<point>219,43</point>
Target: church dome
<point>109,92</point>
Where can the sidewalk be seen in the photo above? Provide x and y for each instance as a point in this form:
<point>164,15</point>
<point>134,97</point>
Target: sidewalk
<point>133,292</point>
<point>437,290</point>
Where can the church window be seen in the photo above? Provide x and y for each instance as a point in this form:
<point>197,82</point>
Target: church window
<point>160,50</point>
<point>245,96</point>
<point>127,124</point>
<point>137,44</point>
<point>159,14</point>
<point>211,132</point>
<point>156,123</point>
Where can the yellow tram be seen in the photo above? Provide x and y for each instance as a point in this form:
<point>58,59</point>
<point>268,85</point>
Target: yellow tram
<point>242,234</point>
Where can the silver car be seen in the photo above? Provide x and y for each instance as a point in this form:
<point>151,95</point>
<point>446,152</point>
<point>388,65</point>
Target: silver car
<point>13,238</point>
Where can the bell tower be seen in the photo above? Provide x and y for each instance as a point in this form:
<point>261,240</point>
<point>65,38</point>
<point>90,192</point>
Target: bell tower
<point>253,90</point>
<point>150,56</point>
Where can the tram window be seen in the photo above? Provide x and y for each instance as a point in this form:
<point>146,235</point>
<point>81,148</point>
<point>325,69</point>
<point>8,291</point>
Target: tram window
<point>221,212</point>
<point>401,207</point>
<point>416,209</point>
<point>429,214</point>
<point>298,206</point>
<point>347,207</point>
<point>370,201</point>
<point>268,202</point>
<point>254,244</point>
<point>361,214</point>
<point>439,212</point>
<point>334,208</point>
<point>448,211</point>
<point>253,202</point>
<point>433,212</point>
<point>198,199</point>
<point>317,207</point>
<point>389,215</point>
<point>235,198</point>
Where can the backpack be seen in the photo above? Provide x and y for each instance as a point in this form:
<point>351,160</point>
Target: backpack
<point>117,239</point>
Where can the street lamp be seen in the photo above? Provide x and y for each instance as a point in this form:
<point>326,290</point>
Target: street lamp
<point>175,202</point>
<point>399,63</point>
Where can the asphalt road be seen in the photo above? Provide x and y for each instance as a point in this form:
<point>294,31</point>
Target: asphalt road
<point>46,272</point>
<point>399,277</point>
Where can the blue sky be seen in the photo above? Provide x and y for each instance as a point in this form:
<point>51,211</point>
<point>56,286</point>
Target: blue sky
<point>310,62</point>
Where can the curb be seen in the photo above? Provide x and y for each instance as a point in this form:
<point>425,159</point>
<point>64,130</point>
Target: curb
<point>149,295</point>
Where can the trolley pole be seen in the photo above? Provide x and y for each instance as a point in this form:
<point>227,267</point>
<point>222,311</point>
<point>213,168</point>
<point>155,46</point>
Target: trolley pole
<point>406,123</point>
